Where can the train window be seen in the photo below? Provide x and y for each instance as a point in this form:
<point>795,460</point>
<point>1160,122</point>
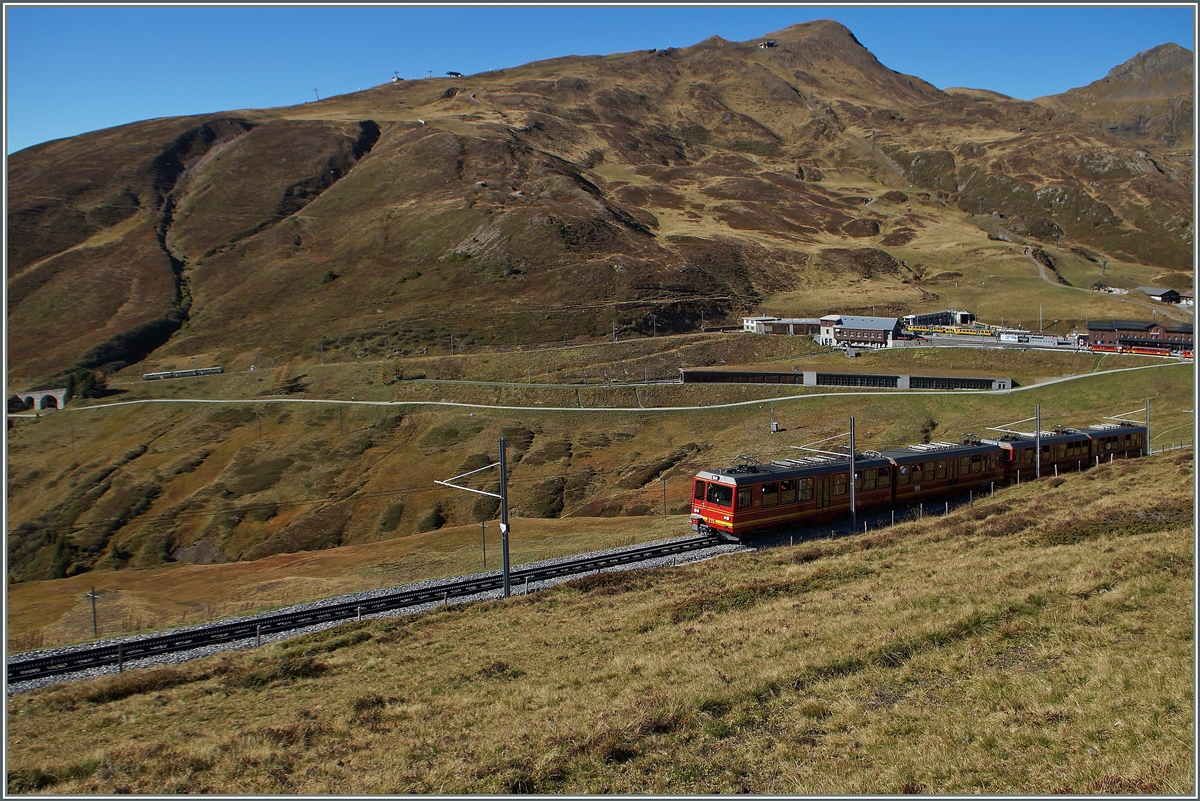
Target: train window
<point>885,477</point>
<point>699,493</point>
<point>903,476</point>
<point>839,484</point>
<point>720,495</point>
<point>858,481</point>
<point>787,491</point>
<point>976,463</point>
<point>806,489</point>
<point>1029,456</point>
<point>869,479</point>
<point>940,469</point>
<point>744,497</point>
<point>770,494</point>
<point>964,465</point>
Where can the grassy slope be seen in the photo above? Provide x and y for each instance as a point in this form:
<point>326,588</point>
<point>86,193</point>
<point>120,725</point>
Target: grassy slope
<point>1037,642</point>
<point>237,497</point>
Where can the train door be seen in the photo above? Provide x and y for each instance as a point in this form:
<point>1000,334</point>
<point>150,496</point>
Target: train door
<point>822,483</point>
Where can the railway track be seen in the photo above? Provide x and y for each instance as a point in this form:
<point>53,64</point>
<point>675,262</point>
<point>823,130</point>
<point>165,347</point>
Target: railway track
<point>254,627</point>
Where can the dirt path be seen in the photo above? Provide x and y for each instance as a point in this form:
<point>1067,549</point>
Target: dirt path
<point>1166,310</point>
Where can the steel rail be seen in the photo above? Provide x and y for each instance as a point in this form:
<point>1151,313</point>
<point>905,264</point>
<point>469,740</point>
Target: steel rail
<point>128,651</point>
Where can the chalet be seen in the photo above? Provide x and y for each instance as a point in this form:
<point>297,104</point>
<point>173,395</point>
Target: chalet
<point>1141,333</point>
<point>846,330</point>
<point>1161,295</point>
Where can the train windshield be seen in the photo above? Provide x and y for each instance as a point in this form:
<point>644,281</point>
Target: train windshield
<point>720,495</point>
<point>699,492</point>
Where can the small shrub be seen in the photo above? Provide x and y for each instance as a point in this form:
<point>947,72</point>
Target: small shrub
<point>815,710</point>
<point>329,277</point>
<point>135,682</point>
<point>432,521</point>
<point>391,517</point>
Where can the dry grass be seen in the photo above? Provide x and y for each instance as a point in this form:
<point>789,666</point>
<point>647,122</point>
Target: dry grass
<point>925,658</point>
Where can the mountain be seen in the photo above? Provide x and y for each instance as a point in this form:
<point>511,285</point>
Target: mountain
<point>1146,99</point>
<point>561,198</point>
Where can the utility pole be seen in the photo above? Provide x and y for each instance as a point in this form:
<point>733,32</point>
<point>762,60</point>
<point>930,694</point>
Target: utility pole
<point>1149,450</point>
<point>504,514</point>
<point>318,94</point>
<point>1103,264</point>
<point>853,505</point>
<point>913,179</point>
<point>664,483</point>
<point>483,539</point>
<point>502,495</point>
<point>981,205</point>
<point>92,594</point>
<point>1037,438</point>
<point>1057,234</point>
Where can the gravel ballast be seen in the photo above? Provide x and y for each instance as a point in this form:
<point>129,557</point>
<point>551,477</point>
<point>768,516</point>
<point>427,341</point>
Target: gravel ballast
<point>517,588</point>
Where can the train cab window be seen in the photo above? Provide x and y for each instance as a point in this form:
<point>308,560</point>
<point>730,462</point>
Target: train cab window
<point>699,493</point>
<point>939,470</point>
<point>770,494</point>
<point>885,477</point>
<point>745,496</point>
<point>787,491</point>
<point>839,484</point>
<point>806,489</point>
<point>976,463</point>
<point>720,495</point>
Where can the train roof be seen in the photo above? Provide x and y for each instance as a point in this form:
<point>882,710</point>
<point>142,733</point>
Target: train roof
<point>939,450</point>
<point>790,468</point>
<point>1067,434</point>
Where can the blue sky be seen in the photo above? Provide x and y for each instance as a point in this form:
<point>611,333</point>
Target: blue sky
<point>75,69</point>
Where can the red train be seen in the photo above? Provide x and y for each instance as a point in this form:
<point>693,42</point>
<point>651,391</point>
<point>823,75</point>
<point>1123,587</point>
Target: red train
<point>751,497</point>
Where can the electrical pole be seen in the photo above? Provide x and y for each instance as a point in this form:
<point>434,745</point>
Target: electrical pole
<point>664,483</point>
<point>1103,264</point>
<point>504,514</point>
<point>318,94</point>
<point>853,505</point>
<point>1037,438</point>
<point>483,539</point>
<point>981,205</point>
<point>92,594</point>
<point>502,495</point>
<point>1149,450</point>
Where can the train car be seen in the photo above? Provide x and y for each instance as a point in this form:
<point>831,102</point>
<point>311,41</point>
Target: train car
<point>1116,441</point>
<point>211,370</point>
<point>1071,448</point>
<point>940,468</point>
<point>749,497</point>
<point>155,376</point>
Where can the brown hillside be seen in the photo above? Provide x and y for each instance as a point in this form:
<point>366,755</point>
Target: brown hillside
<point>647,187</point>
<point>1146,99</point>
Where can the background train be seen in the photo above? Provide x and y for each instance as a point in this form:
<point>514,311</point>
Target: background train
<point>751,497</point>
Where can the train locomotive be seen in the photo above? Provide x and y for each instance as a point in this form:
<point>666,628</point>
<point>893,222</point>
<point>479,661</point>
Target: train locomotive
<point>749,496</point>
